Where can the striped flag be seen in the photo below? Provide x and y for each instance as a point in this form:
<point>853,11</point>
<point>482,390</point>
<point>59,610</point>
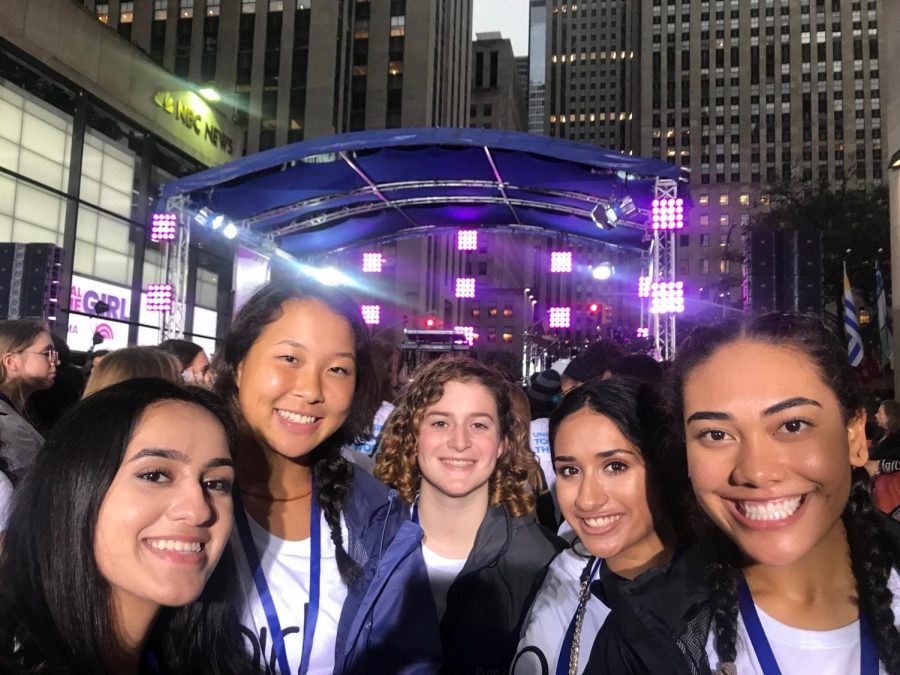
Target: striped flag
<point>851,325</point>
<point>885,330</point>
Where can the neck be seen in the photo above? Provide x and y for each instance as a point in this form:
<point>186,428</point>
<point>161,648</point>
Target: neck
<point>133,619</point>
<point>451,523</point>
<point>653,551</point>
<point>818,591</point>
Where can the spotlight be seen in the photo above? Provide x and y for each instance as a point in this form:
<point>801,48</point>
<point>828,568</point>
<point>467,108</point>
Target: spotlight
<point>561,261</point>
<point>372,262</point>
<point>162,226</point>
<point>603,271</point>
<point>465,287</point>
<point>467,240</point>
<point>560,317</point>
<point>371,314</point>
<point>217,222</point>
<point>230,231</point>
<point>159,297</point>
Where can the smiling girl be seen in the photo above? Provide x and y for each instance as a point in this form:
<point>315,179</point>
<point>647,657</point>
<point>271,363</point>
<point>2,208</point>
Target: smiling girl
<point>109,561</point>
<point>458,455</point>
<point>331,573</point>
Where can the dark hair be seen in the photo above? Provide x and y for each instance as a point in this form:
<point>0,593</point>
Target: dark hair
<point>891,410</point>
<point>332,473</point>
<point>55,606</point>
<point>594,360</point>
<point>638,412</point>
<point>383,353</point>
<point>184,350</point>
<point>16,336</point>
<point>873,553</point>
<point>642,367</point>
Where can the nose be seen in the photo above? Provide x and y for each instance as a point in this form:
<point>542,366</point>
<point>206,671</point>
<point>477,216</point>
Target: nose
<point>191,504</point>
<point>758,462</point>
<point>591,495</point>
<point>459,438</point>
<point>308,386</point>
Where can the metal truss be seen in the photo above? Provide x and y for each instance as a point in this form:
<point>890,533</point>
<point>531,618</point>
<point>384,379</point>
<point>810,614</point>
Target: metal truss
<point>176,270</point>
<point>663,270</point>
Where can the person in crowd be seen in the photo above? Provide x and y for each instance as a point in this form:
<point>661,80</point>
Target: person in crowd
<point>92,358</point>
<point>614,488</point>
<point>115,558</point>
<point>6,493</point>
<point>640,367</point>
<point>595,360</point>
<point>801,571</point>
<point>544,508</point>
<point>46,406</point>
<point>129,363</point>
<point>458,455</point>
<point>331,575</point>
<point>884,454</point>
<point>195,366</point>
<point>544,394</point>
<point>28,363</point>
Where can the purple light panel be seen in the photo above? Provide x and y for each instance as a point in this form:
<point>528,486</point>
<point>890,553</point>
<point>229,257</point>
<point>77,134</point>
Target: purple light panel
<point>467,240</point>
<point>163,226</point>
<point>371,314</point>
<point>372,262</point>
<point>667,214</point>
<point>561,261</point>
<point>560,317</point>
<point>465,287</point>
<point>159,297</point>
<point>643,332</point>
<point>468,331</point>
<point>667,297</point>
<point>644,287</point>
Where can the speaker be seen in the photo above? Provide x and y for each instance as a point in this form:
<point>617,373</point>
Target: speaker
<point>760,291</point>
<point>7,262</point>
<point>803,270</point>
<point>30,276</point>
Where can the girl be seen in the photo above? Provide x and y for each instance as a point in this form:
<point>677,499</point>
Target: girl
<point>28,363</point>
<point>802,573</point>
<point>195,368</point>
<point>458,455</point>
<point>113,535</point>
<point>607,441</point>
<point>330,568</point>
<point>130,363</point>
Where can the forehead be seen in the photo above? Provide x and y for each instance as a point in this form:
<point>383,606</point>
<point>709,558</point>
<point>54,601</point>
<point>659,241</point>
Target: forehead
<point>753,373</point>
<point>178,425</point>
<point>312,323</point>
<point>591,432</point>
<point>466,396</point>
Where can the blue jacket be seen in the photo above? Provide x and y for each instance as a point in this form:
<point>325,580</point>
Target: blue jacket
<point>388,624</point>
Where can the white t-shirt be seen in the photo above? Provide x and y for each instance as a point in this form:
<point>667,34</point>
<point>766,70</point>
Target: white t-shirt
<point>6,493</point>
<point>287,566</point>
<point>540,445</point>
<point>551,613</point>
<point>442,572</point>
<point>799,651</point>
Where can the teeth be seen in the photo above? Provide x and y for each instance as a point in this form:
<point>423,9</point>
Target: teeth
<point>775,510</point>
<point>295,417</point>
<point>458,462</point>
<point>601,522</point>
<point>177,546</point>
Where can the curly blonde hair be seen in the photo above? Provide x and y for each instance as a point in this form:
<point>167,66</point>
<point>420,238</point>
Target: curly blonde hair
<point>397,463</point>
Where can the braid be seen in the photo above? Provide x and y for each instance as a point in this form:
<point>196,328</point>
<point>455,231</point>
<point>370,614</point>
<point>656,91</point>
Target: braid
<point>333,476</point>
<point>725,610</point>
<point>872,558</point>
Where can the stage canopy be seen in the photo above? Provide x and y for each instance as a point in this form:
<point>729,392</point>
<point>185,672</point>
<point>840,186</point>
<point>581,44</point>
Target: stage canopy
<point>334,192</point>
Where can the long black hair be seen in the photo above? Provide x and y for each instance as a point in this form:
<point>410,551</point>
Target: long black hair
<point>873,554</point>
<point>639,413</point>
<point>331,472</point>
<point>55,606</point>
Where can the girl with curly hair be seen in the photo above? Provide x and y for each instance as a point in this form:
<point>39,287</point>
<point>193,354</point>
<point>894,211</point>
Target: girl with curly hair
<point>457,453</point>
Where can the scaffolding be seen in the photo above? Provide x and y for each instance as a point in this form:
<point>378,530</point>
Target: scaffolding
<point>176,270</point>
<point>662,270</point>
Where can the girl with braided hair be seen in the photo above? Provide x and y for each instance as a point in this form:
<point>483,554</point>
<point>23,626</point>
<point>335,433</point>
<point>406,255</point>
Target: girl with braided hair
<point>330,564</point>
<point>458,454</point>
<point>801,571</point>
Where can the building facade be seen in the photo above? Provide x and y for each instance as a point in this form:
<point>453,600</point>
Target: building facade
<point>497,101</point>
<point>298,69</point>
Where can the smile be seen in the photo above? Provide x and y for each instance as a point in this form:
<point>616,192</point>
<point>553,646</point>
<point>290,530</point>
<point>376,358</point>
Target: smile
<point>769,511</point>
<point>296,418</point>
<point>459,463</point>
<point>601,521</point>
<point>176,546</point>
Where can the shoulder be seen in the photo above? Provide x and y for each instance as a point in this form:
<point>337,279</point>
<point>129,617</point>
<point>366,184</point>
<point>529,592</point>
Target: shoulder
<point>530,536</point>
<point>371,507</point>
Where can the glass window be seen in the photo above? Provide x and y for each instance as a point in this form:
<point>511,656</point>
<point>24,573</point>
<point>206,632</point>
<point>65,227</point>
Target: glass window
<point>745,199</point>
<point>723,199</point>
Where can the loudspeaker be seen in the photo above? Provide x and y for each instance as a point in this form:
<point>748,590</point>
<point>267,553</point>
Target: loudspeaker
<point>30,276</point>
<point>803,269</point>
<point>7,262</point>
<point>760,292</point>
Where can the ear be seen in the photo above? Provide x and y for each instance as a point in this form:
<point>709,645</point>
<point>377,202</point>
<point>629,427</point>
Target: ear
<point>9,362</point>
<point>856,440</point>
<point>501,448</point>
<point>237,374</point>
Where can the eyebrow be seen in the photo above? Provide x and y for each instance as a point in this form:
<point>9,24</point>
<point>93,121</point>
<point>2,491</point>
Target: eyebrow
<point>602,454</point>
<point>178,456</point>
<point>771,410</point>
<point>443,413</point>
<point>300,345</point>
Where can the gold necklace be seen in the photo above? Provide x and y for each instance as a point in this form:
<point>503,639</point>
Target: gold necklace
<point>269,498</point>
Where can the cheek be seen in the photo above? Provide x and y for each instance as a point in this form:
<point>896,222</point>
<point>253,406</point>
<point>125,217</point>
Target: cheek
<point>708,470</point>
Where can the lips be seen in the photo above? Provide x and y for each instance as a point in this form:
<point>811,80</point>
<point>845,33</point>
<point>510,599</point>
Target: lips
<point>180,551</point>
<point>767,514</point>
<point>455,463</point>
<point>296,418</point>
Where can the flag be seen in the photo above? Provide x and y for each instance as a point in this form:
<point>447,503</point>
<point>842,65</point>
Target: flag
<point>851,325</point>
<point>885,329</point>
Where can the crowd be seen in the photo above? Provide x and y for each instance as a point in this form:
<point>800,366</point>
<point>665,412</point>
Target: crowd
<point>290,509</point>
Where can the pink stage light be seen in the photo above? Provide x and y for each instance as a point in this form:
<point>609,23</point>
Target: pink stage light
<point>372,262</point>
<point>561,261</point>
<point>465,287</point>
<point>667,214</point>
<point>159,297</point>
<point>643,332</point>
<point>468,331</point>
<point>644,287</point>
<point>163,226</point>
<point>371,314</point>
<point>467,240</point>
<point>560,317</point>
<point>667,297</point>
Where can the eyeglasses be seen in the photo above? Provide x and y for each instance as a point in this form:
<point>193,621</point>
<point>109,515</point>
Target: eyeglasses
<point>51,354</point>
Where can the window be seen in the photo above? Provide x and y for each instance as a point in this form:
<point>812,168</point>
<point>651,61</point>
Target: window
<point>704,266</point>
<point>745,199</point>
<point>160,10</point>
<point>704,219</point>
<point>186,9</point>
<point>703,199</point>
<point>398,26</point>
<point>684,240</point>
<point>126,12</point>
<point>723,200</point>
<point>704,240</point>
<point>723,220</point>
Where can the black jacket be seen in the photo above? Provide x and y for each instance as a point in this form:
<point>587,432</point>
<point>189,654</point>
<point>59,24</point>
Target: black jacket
<point>488,600</point>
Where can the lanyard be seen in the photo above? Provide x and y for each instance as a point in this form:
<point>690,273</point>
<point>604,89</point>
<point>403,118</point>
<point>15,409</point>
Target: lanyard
<point>867,649</point>
<point>151,664</point>
<point>262,586</point>
<point>565,653</point>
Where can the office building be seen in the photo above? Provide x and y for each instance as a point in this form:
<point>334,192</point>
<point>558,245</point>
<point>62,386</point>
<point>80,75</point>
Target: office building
<point>497,101</point>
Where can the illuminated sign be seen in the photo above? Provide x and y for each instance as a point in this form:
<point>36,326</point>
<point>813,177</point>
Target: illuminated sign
<point>191,111</point>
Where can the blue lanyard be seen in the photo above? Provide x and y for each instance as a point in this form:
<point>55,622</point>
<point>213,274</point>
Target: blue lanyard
<point>868,651</point>
<point>262,586</point>
<point>565,653</point>
<point>151,664</point>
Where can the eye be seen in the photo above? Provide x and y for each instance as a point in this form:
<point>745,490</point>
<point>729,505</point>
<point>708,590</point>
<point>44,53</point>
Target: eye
<point>287,358</point>
<point>154,476</point>
<point>795,426</point>
<point>481,426</point>
<point>714,435</point>
<point>439,424</point>
<point>567,471</point>
<point>616,466</point>
<point>222,485</point>
<point>340,370</point>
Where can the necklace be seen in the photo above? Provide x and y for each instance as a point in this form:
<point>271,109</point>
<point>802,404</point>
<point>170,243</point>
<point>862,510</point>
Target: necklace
<point>584,595</point>
<point>269,498</point>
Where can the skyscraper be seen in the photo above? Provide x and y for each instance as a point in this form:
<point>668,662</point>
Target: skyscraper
<point>298,69</point>
<point>497,101</point>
